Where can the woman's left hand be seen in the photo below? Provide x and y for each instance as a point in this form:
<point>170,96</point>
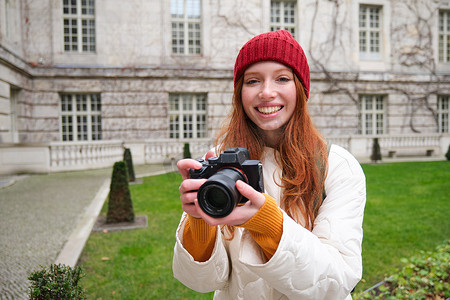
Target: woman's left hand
<point>242,213</point>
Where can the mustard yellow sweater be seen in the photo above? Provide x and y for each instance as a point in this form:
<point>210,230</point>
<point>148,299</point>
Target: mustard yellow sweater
<point>266,228</point>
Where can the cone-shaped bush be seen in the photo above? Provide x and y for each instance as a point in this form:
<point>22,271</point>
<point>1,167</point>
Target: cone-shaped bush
<point>129,161</point>
<point>120,207</point>
<point>376,151</point>
<point>186,151</point>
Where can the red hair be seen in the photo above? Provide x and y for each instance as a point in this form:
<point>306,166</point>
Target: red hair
<point>301,154</point>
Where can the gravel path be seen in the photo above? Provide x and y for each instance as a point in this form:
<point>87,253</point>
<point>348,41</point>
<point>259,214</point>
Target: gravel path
<point>37,215</point>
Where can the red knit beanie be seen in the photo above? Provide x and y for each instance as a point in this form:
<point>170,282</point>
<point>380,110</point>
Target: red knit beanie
<point>277,46</point>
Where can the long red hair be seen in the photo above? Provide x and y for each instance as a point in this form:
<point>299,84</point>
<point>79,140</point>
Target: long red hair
<point>301,154</point>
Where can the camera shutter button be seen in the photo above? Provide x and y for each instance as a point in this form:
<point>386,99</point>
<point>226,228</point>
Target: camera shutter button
<point>213,160</point>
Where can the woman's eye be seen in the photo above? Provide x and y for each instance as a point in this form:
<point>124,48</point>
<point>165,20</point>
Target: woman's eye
<point>251,81</point>
<point>284,79</point>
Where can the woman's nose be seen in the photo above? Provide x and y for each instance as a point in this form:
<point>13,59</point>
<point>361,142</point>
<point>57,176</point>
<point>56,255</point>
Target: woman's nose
<point>267,92</point>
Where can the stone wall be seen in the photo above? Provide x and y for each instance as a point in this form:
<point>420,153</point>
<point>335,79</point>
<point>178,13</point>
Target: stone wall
<point>133,107</point>
<point>137,108</point>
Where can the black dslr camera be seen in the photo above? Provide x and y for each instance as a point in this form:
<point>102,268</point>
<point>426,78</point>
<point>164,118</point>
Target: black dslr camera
<point>218,196</point>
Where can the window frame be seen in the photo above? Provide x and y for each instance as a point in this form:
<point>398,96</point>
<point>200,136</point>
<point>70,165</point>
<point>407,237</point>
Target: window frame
<point>368,30</point>
<point>374,112</point>
<point>178,113</point>
<point>70,122</point>
<point>443,36</point>
<point>85,40</point>
<point>443,111</point>
<point>291,27</point>
<point>191,28</point>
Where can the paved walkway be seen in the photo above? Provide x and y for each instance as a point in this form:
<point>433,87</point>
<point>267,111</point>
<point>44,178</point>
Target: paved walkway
<point>41,218</point>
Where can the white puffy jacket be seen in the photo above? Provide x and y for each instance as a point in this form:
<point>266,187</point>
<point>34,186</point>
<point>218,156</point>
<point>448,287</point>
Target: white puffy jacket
<point>323,264</point>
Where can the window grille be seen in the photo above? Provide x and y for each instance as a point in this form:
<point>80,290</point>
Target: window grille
<point>186,32</point>
<point>187,116</point>
<point>370,41</point>
<point>444,36</point>
<point>81,118</point>
<point>443,109</point>
<point>372,114</point>
<point>283,15</point>
<point>79,25</point>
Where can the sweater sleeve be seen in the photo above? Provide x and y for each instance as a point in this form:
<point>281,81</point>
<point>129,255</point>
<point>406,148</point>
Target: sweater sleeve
<point>266,227</point>
<point>199,238</point>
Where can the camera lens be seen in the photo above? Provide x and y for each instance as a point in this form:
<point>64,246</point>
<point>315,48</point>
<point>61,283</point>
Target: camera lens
<point>218,196</point>
<point>215,200</point>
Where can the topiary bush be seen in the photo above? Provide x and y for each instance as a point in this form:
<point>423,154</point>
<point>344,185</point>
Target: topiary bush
<point>426,276</point>
<point>186,151</point>
<point>120,206</point>
<point>376,151</point>
<point>128,159</point>
<point>56,282</point>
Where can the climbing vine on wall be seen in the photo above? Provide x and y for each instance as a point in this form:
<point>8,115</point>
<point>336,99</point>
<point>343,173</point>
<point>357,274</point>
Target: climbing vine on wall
<point>412,52</point>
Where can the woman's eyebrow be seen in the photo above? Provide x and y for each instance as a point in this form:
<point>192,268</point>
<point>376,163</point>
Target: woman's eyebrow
<point>282,69</point>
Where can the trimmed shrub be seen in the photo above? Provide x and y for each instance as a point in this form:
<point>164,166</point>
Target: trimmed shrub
<point>376,151</point>
<point>129,161</point>
<point>120,206</point>
<point>56,282</point>
<point>186,151</point>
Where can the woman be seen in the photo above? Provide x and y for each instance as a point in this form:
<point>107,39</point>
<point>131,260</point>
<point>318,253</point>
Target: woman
<point>285,243</point>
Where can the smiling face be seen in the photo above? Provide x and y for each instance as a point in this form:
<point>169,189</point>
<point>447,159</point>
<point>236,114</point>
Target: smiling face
<point>269,97</point>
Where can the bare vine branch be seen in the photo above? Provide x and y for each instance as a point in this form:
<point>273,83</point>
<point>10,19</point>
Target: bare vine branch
<point>411,50</point>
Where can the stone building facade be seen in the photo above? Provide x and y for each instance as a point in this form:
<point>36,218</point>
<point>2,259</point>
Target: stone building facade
<point>154,74</point>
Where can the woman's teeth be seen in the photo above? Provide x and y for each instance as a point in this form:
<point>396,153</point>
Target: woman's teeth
<point>269,109</point>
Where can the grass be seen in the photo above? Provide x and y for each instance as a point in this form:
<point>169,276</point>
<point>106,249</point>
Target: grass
<point>137,264</point>
<point>406,211</point>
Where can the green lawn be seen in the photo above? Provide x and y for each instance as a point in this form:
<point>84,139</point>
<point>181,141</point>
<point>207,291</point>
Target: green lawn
<point>407,211</point>
<point>137,264</point>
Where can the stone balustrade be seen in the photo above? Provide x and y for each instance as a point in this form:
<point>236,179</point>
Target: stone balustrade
<point>84,155</point>
<point>411,145</point>
<point>156,151</point>
<point>395,145</point>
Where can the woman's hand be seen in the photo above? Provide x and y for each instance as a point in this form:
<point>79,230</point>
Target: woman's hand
<point>188,188</point>
<point>240,214</point>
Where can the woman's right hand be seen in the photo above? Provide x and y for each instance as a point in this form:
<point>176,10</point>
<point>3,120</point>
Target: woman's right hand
<point>189,187</point>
